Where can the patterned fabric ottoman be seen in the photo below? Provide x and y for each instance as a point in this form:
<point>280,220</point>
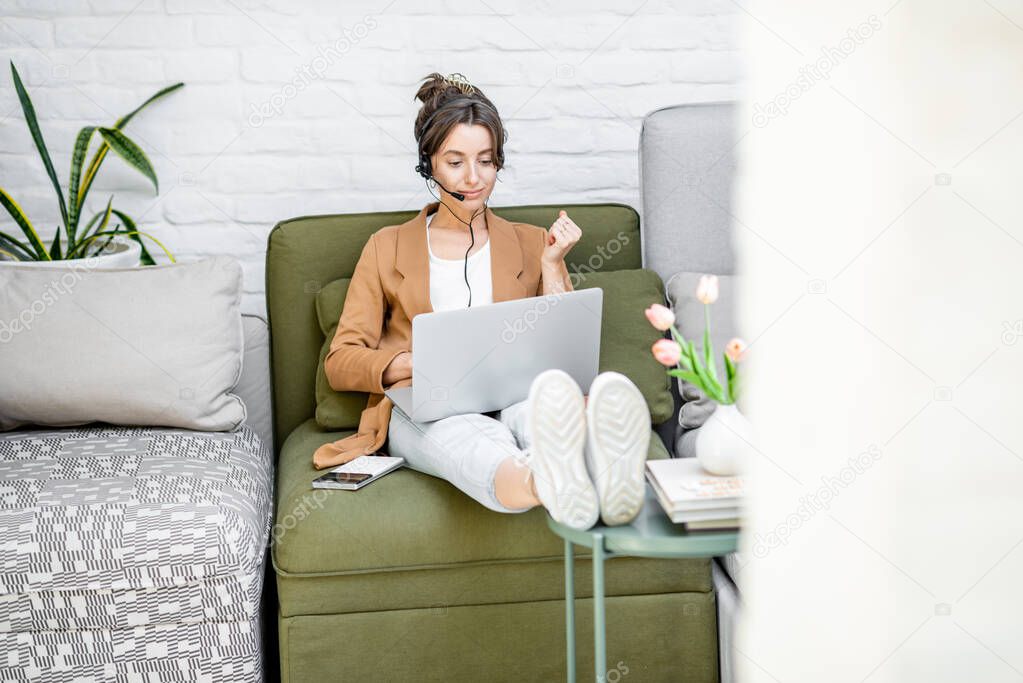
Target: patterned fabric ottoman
<point>132,553</point>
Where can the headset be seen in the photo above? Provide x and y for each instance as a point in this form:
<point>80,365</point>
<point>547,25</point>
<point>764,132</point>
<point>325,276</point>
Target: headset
<point>425,169</point>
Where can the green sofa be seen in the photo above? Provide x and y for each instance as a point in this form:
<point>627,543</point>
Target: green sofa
<point>410,579</point>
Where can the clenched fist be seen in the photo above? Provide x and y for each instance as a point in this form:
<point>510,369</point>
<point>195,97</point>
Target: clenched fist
<point>561,237</point>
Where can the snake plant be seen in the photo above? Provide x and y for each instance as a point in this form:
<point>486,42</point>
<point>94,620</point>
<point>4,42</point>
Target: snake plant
<point>106,223</point>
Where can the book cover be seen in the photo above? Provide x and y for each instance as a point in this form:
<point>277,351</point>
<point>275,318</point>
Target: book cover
<point>731,524</point>
<point>684,483</point>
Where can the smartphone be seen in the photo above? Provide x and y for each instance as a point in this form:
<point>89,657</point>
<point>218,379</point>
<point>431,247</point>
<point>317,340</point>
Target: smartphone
<point>344,477</point>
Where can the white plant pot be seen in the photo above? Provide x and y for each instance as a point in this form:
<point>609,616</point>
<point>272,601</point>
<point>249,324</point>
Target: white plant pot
<point>724,444</point>
<point>121,252</point>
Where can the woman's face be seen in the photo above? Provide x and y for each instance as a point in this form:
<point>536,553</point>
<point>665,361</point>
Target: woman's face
<point>465,163</point>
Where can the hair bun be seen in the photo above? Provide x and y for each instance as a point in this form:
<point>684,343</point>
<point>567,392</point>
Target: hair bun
<point>430,90</point>
<point>438,88</point>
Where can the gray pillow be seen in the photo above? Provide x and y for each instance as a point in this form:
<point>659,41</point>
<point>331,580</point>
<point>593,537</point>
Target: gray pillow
<point>690,321</point>
<point>154,346</point>
<point>253,387</point>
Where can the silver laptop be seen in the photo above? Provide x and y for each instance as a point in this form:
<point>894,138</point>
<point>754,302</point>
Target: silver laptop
<point>484,358</point>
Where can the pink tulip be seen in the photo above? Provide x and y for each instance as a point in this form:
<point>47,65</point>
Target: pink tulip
<point>707,290</point>
<point>667,352</point>
<point>735,348</point>
<point>660,317</point>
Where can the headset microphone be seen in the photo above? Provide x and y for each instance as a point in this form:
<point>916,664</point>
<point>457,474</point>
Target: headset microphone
<point>421,169</point>
<point>457,195</point>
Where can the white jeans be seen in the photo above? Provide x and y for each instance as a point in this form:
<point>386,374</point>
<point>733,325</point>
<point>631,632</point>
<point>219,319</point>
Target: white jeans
<point>465,450</point>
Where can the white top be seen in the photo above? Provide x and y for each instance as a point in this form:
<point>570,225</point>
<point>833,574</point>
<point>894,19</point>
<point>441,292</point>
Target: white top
<point>447,278</point>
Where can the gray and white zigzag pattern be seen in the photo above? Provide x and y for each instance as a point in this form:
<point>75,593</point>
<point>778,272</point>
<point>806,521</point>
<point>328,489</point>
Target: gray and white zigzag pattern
<point>132,553</point>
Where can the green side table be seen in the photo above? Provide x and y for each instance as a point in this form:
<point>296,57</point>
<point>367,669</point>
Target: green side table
<point>651,534</point>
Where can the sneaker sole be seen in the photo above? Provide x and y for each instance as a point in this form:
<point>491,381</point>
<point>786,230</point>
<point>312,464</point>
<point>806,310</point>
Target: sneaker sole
<point>618,423</point>
<point>558,434</point>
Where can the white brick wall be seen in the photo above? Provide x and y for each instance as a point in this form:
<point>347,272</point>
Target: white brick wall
<point>572,79</point>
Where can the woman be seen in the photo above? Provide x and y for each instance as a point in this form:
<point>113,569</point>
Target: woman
<point>578,456</point>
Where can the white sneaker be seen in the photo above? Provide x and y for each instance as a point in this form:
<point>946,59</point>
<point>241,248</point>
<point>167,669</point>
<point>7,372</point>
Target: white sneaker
<point>618,431</point>
<point>556,424</point>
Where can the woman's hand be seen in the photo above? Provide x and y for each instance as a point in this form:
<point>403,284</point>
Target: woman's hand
<point>398,369</point>
<point>561,237</point>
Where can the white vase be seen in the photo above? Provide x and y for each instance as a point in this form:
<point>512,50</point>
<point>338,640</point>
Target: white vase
<point>724,444</point>
<point>120,252</point>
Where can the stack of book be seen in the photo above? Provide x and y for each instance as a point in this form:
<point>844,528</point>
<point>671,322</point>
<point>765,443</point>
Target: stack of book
<point>692,496</point>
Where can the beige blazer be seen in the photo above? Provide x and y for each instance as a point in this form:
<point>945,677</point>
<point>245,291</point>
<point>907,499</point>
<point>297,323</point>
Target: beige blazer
<point>390,286</point>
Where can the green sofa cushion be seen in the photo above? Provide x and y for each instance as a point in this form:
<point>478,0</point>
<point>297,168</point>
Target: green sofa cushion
<point>412,540</point>
<point>651,638</point>
<point>626,335</point>
<point>625,341</point>
<point>334,409</point>
<point>329,302</point>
